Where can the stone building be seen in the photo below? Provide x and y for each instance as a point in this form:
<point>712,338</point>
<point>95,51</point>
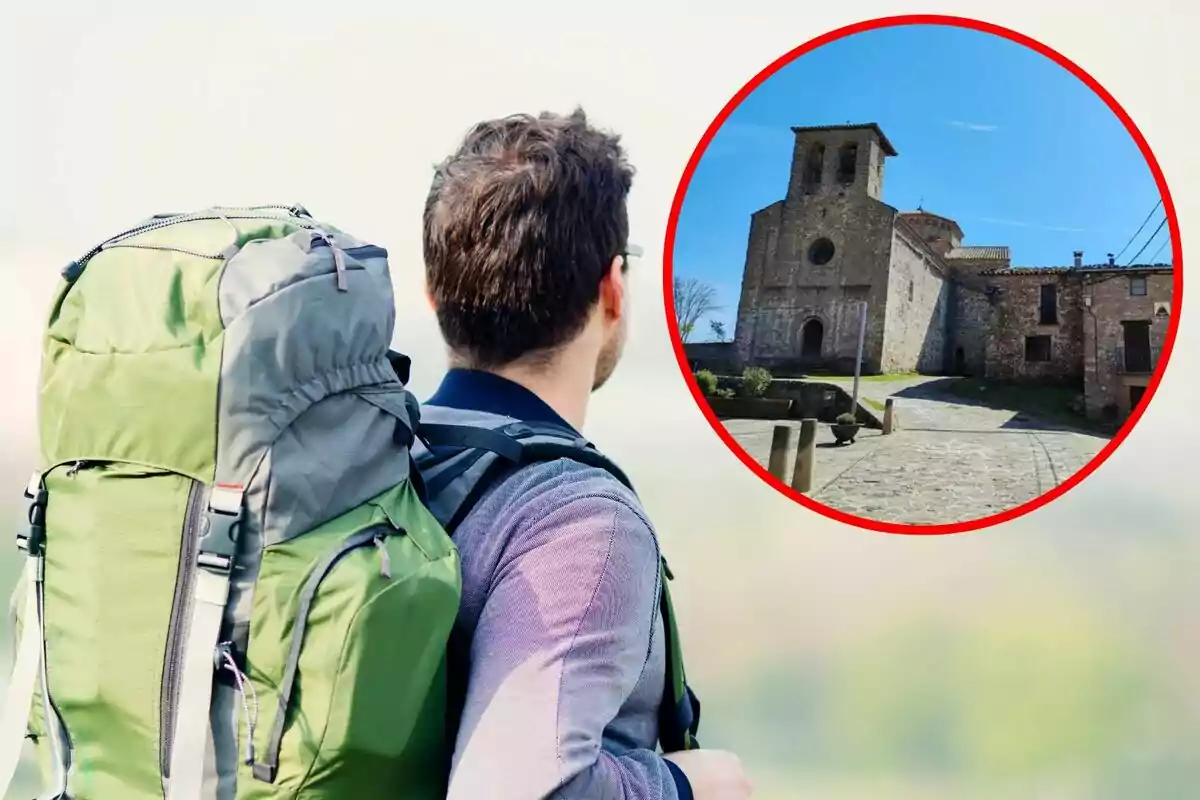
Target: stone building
<point>831,247</point>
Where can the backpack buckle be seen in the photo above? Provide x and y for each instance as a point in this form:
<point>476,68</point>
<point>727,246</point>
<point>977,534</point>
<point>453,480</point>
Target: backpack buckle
<point>222,527</point>
<point>517,430</point>
<point>35,537</point>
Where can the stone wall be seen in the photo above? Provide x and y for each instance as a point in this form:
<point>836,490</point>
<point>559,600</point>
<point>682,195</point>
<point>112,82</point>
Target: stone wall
<point>924,312</point>
<point>784,289</point>
<point>764,230</point>
<point>940,234</point>
<point>823,401</point>
<point>971,316</point>
<point>875,169</point>
<point>868,164</point>
<point>974,266</point>
<point>1016,316</point>
<point>915,319</point>
<point>1106,382</point>
<point>716,357</point>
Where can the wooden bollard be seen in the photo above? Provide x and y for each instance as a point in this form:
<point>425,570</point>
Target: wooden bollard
<point>781,448</point>
<point>889,415</point>
<point>806,450</point>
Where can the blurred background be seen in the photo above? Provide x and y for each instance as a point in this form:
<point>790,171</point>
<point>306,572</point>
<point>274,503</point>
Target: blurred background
<point>1051,657</point>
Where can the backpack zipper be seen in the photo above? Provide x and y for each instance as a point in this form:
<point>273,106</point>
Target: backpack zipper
<point>193,517</point>
<point>76,466</point>
<point>322,239</point>
<point>180,612</point>
<point>68,754</point>
<point>297,215</point>
<point>164,248</point>
<point>339,259</point>
<point>63,736</point>
<point>375,536</point>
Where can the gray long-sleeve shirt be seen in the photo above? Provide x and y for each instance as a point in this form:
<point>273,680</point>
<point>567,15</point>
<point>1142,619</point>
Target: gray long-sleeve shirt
<point>559,634</point>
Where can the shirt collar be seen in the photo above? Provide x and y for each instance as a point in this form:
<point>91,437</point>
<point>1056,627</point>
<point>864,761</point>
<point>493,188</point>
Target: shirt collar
<point>486,392</point>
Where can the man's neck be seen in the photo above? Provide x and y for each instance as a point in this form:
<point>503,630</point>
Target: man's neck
<point>557,385</point>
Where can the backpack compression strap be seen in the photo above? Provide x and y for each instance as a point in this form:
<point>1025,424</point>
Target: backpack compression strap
<point>29,672</point>
<point>463,461</point>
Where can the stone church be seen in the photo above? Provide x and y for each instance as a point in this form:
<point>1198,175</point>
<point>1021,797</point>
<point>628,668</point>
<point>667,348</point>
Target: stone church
<point>933,304</point>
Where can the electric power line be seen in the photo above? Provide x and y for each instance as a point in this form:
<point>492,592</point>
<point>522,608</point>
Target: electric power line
<point>1166,242</point>
<point>1139,230</point>
<point>1148,241</point>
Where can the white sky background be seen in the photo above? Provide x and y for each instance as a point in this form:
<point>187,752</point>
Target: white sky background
<point>106,122</point>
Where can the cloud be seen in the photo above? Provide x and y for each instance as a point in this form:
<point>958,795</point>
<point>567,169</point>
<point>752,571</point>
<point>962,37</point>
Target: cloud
<point>1017,224</point>
<point>974,126</point>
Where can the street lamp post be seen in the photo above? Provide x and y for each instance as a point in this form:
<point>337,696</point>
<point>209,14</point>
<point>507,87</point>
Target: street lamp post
<point>862,335</point>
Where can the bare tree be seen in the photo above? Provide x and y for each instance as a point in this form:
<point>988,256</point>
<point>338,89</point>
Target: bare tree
<point>694,300</point>
<point>718,329</point>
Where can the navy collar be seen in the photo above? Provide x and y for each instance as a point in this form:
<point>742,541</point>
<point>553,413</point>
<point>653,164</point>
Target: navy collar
<point>486,392</point>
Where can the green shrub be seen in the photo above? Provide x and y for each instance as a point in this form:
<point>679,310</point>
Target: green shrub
<point>707,382</point>
<point>755,381</point>
<point>846,419</point>
<point>725,393</point>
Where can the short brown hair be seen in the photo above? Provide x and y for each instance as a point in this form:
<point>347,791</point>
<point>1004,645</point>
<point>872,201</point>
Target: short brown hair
<point>521,225</point>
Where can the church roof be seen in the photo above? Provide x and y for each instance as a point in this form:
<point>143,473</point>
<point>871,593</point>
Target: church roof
<point>920,212</point>
<point>984,253</point>
<point>1133,268</point>
<point>865,126</point>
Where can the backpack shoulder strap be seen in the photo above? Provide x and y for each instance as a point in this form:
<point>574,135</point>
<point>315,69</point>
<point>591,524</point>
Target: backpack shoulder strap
<point>462,461</point>
<point>520,443</point>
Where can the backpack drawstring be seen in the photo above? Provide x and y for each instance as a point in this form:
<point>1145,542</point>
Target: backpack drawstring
<point>249,698</point>
<point>385,561</point>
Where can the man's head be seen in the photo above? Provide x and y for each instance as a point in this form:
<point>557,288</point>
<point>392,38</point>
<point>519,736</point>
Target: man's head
<point>526,242</point>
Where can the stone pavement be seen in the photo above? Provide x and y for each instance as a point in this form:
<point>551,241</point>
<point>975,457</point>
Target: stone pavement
<point>947,461</point>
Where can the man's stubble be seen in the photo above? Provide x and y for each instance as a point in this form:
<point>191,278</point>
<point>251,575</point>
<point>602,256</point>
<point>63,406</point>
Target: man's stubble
<point>610,356</point>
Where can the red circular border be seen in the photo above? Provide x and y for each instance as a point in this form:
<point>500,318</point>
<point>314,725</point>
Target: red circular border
<point>669,252</point>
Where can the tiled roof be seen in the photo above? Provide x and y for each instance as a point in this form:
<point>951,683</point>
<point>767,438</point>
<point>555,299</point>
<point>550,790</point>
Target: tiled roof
<point>873,126</point>
<point>920,212</point>
<point>1084,268</point>
<point>979,253</point>
<point>1028,271</point>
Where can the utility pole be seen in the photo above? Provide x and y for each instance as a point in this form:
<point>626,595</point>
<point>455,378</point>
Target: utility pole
<point>862,334</point>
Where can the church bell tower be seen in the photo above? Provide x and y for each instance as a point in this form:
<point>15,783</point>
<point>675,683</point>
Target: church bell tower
<point>831,161</point>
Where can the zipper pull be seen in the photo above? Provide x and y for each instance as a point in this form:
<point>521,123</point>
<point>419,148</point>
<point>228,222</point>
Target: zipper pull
<point>74,468</point>
<point>385,561</point>
<point>339,262</point>
<point>224,658</point>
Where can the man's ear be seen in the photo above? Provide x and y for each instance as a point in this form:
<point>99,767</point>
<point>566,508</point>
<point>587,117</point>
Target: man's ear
<point>429,299</point>
<point>613,298</point>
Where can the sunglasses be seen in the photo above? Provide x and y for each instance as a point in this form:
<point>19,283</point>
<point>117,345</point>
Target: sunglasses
<point>631,251</point>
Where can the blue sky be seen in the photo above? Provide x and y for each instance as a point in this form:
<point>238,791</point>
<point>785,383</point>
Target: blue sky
<point>989,133</point>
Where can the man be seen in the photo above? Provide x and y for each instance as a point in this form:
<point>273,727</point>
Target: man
<point>558,654</point>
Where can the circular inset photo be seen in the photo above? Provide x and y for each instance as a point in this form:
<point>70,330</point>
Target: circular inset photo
<point>923,274</point>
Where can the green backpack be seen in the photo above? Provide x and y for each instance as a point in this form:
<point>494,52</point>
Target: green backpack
<point>235,586</point>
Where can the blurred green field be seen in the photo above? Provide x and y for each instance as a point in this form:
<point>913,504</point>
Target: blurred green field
<point>1046,685</point>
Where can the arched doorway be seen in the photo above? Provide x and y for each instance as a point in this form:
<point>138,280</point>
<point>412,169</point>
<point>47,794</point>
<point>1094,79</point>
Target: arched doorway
<point>811,337</point>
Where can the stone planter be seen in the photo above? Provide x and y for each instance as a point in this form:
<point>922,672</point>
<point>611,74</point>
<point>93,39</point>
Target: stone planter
<point>844,434</point>
<point>750,407</point>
